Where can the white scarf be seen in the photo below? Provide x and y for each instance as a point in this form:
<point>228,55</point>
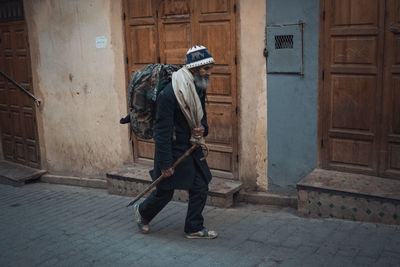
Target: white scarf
<point>188,99</point>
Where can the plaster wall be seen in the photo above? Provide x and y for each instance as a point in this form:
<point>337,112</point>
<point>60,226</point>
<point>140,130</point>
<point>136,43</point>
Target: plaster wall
<point>83,88</point>
<point>292,102</point>
<point>252,95</point>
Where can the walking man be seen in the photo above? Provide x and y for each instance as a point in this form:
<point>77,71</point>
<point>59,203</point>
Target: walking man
<point>180,121</point>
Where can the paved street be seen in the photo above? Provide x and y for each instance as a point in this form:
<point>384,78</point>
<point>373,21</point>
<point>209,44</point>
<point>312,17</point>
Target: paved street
<point>56,225</point>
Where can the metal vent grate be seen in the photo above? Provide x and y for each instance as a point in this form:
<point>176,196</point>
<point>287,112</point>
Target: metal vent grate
<point>283,41</point>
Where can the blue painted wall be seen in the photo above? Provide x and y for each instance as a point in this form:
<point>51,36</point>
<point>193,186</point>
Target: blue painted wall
<point>292,102</point>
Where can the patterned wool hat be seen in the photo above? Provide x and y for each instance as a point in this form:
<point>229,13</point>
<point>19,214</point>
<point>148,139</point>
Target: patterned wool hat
<point>198,56</point>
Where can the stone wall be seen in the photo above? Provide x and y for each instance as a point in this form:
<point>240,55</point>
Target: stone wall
<point>77,50</point>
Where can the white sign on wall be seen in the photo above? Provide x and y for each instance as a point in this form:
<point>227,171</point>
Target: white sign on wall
<point>101,42</point>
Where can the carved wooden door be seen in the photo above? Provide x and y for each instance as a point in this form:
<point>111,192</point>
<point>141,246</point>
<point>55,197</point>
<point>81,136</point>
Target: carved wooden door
<point>390,155</point>
<point>360,86</point>
<point>162,31</point>
<point>18,119</point>
<point>352,84</point>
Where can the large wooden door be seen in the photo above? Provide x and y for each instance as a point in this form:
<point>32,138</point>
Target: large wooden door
<point>18,119</point>
<point>360,87</point>
<point>162,31</point>
<point>390,156</point>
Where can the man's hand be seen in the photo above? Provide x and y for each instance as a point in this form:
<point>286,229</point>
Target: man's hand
<point>167,172</point>
<point>198,132</point>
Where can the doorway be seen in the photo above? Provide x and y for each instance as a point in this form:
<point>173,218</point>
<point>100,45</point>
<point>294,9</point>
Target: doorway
<point>162,31</point>
<point>360,86</point>
<point>19,135</point>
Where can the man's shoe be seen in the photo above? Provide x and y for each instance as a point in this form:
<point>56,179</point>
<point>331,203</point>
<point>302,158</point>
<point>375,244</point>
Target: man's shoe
<point>205,234</point>
<point>142,223</point>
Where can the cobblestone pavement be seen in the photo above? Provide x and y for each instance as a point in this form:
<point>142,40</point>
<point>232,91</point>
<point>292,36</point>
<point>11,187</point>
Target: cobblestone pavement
<point>56,225</point>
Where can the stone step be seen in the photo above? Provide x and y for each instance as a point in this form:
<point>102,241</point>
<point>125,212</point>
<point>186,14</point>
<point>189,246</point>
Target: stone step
<point>267,198</point>
<point>15,174</point>
<point>324,194</point>
<point>131,180</point>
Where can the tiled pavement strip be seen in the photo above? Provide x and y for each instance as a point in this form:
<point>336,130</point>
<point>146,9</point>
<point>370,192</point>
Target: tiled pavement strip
<point>56,225</point>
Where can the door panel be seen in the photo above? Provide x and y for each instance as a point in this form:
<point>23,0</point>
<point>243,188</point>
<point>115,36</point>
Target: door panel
<point>216,30</point>
<point>394,101</point>
<point>171,8</point>
<point>141,36</point>
<point>220,160</point>
<point>175,39</point>
<point>358,50</point>
<point>213,7</point>
<point>361,89</point>
<point>219,120</point>
<point>141,52</point>
<point>396,49</point>
<point>348,151</point>
<point>176,25</point>
<point>352,102</point>
<point>139,9</point>
<point>355,13</point>
<point>216,37</point>
<point>18,119</point>
<point>222,84</point>
<point>391,95</point>
<point>352,84</point>
<point>140,33</point>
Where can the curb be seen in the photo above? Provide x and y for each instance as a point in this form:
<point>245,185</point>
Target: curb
<point>262,198</point>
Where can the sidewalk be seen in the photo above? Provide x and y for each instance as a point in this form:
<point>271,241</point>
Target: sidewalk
<point>56,225</point>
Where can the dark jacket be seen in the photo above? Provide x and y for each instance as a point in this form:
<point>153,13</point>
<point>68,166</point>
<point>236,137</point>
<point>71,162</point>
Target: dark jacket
<point>171,135</point>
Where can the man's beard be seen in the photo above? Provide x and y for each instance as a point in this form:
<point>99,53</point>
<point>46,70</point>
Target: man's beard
<point>201,82</point>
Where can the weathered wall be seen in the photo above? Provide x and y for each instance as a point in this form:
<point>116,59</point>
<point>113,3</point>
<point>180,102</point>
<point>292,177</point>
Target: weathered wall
<point>292,102</point>
<point>82,87</point>
<point>252,95</point>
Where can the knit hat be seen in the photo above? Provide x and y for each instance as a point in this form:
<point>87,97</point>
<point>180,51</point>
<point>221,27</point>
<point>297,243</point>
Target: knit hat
<point>198,56</point>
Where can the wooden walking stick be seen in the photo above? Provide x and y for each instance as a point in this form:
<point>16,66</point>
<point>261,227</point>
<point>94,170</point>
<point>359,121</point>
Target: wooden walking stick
<point>162,177</point>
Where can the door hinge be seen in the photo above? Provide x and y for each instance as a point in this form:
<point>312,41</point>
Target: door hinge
<point>159,59</point>
<point>237,157</point>
<point>265,52</point>
<point>234,8</point>
<point>235,60</point>
<point>124,16</point>
<point>322,142</point>
<point>127,60</point>
<point>237,110</point>
<point>156,13</point>
<point>323,15</point>
<point>323,75</point>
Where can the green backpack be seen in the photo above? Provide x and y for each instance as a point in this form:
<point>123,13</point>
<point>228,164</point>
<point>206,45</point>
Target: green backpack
<point>144,87</point>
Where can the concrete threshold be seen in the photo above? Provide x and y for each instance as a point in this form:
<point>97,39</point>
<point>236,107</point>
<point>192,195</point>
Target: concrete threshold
<point>15,174</point>
<point>262,198</point>
<point>133,179</point>
<point>266,198</point>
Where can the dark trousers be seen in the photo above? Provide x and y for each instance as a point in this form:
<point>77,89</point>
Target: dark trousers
<point>158,199</point>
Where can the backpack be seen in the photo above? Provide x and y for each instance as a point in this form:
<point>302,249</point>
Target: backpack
<point>144,87</point>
